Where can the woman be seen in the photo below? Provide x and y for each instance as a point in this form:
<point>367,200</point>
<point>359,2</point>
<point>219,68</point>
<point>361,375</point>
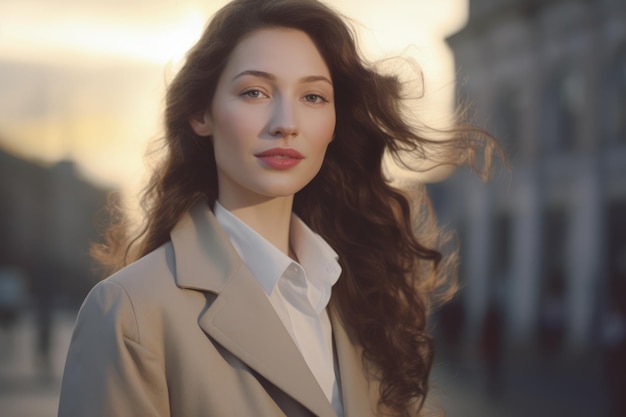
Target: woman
<point>270,198</point>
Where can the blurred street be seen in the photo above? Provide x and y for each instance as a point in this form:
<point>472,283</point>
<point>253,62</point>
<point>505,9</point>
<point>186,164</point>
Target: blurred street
<point>28,388</point>
<point>29,385</point>
<point>522,389</point>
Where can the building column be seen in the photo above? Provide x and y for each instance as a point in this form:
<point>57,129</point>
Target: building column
<point>584,253</point>
<point>476,259</point>
<point>523,293</point>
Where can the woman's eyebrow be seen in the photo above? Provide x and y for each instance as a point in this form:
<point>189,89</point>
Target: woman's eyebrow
<point>314,78</point>
<point>272,77</point>
<point>255,73</point>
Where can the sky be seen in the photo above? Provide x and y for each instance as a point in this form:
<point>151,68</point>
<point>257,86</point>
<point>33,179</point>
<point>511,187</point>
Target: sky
<point>84,79</point>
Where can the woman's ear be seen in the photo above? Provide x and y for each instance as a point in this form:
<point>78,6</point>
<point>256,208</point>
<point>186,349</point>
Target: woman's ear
<point>201,124</point>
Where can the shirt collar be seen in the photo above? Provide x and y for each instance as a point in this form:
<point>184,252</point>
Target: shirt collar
<point>267,263</point>
<point>317,258</point>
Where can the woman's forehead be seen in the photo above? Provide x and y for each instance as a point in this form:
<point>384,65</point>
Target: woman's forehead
<point>278,51</point>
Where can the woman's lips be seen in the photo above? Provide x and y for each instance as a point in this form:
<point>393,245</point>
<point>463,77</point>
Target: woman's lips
<point>280,158</point>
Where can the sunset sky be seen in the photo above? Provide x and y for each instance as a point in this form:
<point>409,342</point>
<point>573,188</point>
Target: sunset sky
<point>84,80</point>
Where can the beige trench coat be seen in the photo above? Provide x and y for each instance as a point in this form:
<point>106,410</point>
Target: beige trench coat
<point>187,331</point>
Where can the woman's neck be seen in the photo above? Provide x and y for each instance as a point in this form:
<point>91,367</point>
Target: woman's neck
<point>270,218</point>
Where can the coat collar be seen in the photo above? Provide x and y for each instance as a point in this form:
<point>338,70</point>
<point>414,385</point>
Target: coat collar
<point>241,318</point>
<point>205,258</point>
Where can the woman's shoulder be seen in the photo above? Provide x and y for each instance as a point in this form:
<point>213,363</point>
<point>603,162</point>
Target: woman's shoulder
<point>131,302</point>
<point>138,294</point>
<point>152,274</point>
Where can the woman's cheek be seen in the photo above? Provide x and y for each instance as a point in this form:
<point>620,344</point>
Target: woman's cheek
<point>323,126</point>
<point>241,126</point>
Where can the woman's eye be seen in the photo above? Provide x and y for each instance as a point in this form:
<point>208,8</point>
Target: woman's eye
<point>252,94</point>
<point>314,98</point>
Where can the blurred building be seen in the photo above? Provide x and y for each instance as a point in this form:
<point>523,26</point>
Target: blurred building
<point>47,221</point>
<point>546,242</point>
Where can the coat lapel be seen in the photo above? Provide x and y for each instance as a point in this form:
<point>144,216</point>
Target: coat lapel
<point>241,318</point>
<point>243,321</point>
<point>359,393</point>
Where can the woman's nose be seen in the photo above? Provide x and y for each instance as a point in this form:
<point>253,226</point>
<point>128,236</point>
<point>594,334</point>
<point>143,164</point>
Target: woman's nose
<point>283,121</point>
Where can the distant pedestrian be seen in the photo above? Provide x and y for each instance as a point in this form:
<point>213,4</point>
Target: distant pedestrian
<point>44,287</point>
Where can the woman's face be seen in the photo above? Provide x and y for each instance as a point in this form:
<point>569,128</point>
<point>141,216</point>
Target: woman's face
<point>272,117</point>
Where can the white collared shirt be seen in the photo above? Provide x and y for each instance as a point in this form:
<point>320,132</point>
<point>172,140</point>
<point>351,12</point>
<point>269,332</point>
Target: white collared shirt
<point>299,292</point>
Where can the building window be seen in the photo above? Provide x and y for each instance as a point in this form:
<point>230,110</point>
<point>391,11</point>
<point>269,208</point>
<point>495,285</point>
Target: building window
<point>552,304</point>
<point>616,253</point>
<point>614,105</point>
<point>562,110</point>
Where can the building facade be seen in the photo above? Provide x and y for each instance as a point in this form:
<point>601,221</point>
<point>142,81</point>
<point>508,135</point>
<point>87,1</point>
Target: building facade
<point>48,219</point>
<point>545,241</point>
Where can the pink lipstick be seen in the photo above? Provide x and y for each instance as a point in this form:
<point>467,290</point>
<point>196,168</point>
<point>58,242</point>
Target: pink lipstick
<point>280,158</point>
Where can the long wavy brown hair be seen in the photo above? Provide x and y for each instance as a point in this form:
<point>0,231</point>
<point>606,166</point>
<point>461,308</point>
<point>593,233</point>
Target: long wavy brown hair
<point>389,245</point>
